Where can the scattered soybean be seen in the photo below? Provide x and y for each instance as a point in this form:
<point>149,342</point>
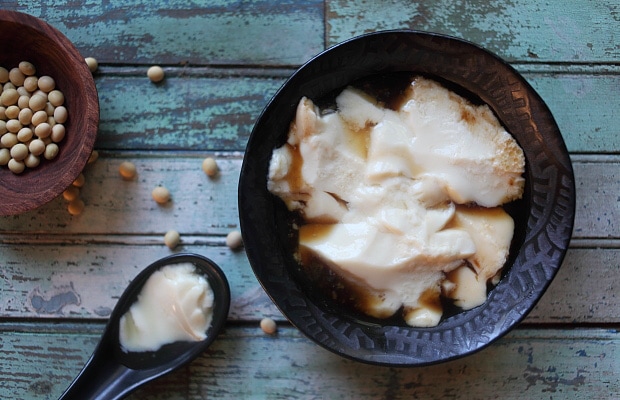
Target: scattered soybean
<point>234,240</point>
<point>209,166</point>
<point>92,63</point>
<point>268,326</point>
<point>155,73</point>
<point>161,195</point>
<point>172,239</point>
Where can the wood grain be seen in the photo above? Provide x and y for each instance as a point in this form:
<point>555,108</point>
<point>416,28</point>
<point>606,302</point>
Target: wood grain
<point>260,32</point>
<point>245,363</point>
<point>209,112</point>
<point>520,30</point>
<point>204,206</point>
<point>121,231</point>
<point>289,32</point>
<point>85,281</point>
<point>60,276</point>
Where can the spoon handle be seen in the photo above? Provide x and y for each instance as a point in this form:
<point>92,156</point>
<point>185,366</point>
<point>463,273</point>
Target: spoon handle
<point>101,379</point>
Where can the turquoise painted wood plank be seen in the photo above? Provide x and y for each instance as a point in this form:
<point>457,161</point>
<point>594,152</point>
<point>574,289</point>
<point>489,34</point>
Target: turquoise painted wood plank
<point>207,112</point>
<point>199,205</point>
<point>245,363</point>
<point>289,32</point>
<point>83,280</point>
<point>590,274</point>
<point>586,108</point>
<point>257,32</point>
<point>519,30</point>
<point>594,189</point>
<point>184,113</point>
<point>203,206</point>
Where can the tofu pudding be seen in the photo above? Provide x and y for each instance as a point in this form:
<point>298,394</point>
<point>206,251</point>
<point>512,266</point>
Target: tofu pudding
<point>175,304</point>
<point>402,201</point>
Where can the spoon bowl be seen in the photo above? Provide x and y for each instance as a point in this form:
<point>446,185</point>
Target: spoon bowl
<point>112,373</point>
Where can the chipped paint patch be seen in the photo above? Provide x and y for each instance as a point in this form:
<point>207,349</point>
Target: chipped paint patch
<point>54,302</point>
<point>553,381</point>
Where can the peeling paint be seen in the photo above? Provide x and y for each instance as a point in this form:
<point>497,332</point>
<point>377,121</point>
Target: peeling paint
<point>41,387</point>
<point>46,303</point>
<point>516,30</point>
<point>552,381</point>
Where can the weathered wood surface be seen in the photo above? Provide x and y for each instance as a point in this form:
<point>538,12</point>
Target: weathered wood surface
<point>245,363</point>
<point>60,276</point>
<point>519,31</point>
<point>257,32</point>
<point>205,206</point>
<point>73,282</point>
<point>54,263</point>
<point>209,112</point>
<point>288,32</point>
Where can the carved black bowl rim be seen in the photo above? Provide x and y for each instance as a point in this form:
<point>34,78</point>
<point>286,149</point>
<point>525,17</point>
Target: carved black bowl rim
<point>544,217</point>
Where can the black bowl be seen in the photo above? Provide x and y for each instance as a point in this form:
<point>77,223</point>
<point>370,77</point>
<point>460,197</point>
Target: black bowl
<point>543,218</point>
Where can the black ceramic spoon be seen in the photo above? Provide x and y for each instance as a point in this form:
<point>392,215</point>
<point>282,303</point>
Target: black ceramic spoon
<point>111,373</point>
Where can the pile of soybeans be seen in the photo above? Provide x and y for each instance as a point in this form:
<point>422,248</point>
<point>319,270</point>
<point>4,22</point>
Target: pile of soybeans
<point>32,117</point>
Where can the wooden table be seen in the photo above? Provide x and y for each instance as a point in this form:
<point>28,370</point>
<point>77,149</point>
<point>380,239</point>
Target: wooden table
<point>60,275</point>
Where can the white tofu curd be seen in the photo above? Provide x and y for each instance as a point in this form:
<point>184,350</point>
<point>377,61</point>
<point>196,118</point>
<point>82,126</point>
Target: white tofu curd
<point>175,304</point>
<point>402,203</point>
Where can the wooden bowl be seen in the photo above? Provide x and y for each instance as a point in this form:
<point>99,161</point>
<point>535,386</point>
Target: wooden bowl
<point>26,38</point>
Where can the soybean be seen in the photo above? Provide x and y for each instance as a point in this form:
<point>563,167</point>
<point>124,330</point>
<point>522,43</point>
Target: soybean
<point>32,161</point>
<point>37,147</point>
<point>12,112</point>
<point>127,170</point>
<point>37,102</point>
<point>5,156</point>
<point>9,97</point>
<point>31,83</point>
<point>155,73</point>
<point>79,181</point>
<point>268,326</point>
<point>43,130</point>
<point>58,133</point>
<point>16,77</point>
<point>9,140</point>
<point>27,68</point>
<point>209,166</point>
<point>24,134</point>
<point>19,152</point>
<point>71,193</point>
<point>17,167</point>
<point>60,114</point>
<point>161,195</point>
<point>38,117</point>
<point>51,151</point>
<point>75,206</point>
<point>4,75</point>
<point>92,63</point>
<point>56,98</point>
<point>234,240</point>
<point>172,239</point>
<point>25,116</point>
<point>93,157</point>
<point>47,83</point>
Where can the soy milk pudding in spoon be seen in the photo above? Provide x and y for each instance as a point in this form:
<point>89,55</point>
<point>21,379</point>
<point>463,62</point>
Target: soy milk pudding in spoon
<point>402,201</point>
<point>175,304</point>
